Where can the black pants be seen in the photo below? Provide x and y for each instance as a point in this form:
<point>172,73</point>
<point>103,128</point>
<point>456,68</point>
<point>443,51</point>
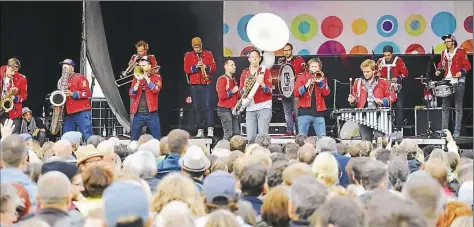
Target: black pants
<point>458,101</point>
<point>230,123</point>
<point>398,105</point>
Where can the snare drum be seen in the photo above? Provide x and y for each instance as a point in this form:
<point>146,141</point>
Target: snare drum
<point>283,80</point>
<point>443,90</point>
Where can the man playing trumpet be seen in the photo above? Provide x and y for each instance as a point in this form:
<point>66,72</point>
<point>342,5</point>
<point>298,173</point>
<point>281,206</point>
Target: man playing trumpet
<point>199,64</point>
<point>228,95</point>
<point>144,93</point>
<point>370,92</point>
<point>14,85</point>
<point>311,88</point>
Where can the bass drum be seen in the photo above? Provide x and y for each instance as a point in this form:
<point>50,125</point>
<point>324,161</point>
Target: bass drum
<point>283,80</point>
<point>349,130</point>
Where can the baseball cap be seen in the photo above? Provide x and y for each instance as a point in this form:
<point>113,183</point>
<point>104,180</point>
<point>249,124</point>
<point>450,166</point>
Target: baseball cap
<point>25,110</point>
<point>124,199</point>
<point>388,48</point>
<point>448,36</point>
<point>68,169</point>
<point>25,136</point>
<point>196,41</point>
<point>225,190</point>
<point>68,61</point>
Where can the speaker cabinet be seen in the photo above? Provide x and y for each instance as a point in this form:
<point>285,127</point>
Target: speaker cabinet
<point>273,130</point>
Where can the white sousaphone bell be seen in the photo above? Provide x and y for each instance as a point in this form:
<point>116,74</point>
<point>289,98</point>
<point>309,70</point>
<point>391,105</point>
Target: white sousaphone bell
<point>268,32</point>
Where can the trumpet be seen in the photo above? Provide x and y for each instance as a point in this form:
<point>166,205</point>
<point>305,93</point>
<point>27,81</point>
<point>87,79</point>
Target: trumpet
<point>203,71</point>
<point>137,71</point>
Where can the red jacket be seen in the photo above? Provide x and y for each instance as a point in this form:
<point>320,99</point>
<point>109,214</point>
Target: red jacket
<point>460,62</point>
<point>262,94</point>
<point>224,92</point>
<point>79,101</point>
<point>151,92</point>
<point>321,90</point>
<point>20,82</point>
<point>399,70</point>
<point>381,91</point>
<point>296,62</point>
<point>194,74</point>
<point>150,56</point>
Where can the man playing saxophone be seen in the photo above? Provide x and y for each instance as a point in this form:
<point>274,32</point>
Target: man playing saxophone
<point>259,111</point>
<point>14,88</point>
<point>199,64</point>
<point>228,94</point>
<point>78,107</point>
<point>144,93</point>
<point>311,88</point>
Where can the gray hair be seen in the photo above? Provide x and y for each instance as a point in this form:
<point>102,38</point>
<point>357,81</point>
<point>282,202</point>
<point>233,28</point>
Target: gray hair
<point>465,172</point>
<point>13,151</point>
<point>326,144</point>
<point>141,163</point>
<point>306,196</point>
<point>62,148</point>
<point>54,188</point>
<point>263,140</point>
<point>175,213</point>
<point>152,146</point>
<point>95,140</point>
<point>373,173</point>
<point>430,201</point>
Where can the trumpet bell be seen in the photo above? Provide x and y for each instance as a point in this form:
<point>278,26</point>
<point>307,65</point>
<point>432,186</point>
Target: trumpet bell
<point>57,98</point>
<point>268,32</point>
<point>138,71</point>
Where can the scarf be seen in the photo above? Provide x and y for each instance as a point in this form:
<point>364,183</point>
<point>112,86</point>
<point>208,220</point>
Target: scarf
<point>25,128</point>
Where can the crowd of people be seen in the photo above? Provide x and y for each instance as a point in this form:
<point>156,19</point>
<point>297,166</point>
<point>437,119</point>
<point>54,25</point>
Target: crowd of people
<point>315,181</point>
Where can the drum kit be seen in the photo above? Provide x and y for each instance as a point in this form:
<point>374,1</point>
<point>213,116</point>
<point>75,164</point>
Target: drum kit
<point>436,89</point>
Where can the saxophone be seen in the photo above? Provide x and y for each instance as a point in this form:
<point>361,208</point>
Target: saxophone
<point>250,87</point>
<point>6,103</point>
<point>58,99</point>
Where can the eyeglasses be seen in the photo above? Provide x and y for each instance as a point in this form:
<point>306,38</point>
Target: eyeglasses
<point>93,161</point>
<point>287,50</point>
<point>81,184</point>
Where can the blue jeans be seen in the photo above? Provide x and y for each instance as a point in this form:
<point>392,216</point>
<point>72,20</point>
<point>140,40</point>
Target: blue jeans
<point>319,125</point>
<point>151,120</point>
<point>201,95</point>
<point>257,121</point>
<point>82,120</point>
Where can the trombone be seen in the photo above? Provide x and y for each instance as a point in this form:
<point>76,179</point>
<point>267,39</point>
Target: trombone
<point>137,71</point>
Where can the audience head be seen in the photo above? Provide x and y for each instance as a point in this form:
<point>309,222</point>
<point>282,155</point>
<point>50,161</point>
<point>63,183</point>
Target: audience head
<point>326,144</point>
<point>238,142</point>
<point>95,140</point>
<point>54,191</point>
<point>13,152</point>
<point>306,196</point>
<point>178,141</point>
<point>306,154</point>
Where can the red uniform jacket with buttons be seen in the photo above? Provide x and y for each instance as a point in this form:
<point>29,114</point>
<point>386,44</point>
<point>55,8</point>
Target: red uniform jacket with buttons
<point>19,81</point>
<point>381,91</point>
<point>262,94</point>
<point>195,74</point>
<point>152,90</point>
<point>79,101</point>
<point>150,56</point>
<point>399,71</point>
<point>224,86</point>
<point>296,62</point>
<point>460,62</point>
<point>320,89</point>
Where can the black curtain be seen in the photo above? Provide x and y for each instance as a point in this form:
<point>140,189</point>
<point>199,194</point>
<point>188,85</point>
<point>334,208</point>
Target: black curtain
<point>98,55</point>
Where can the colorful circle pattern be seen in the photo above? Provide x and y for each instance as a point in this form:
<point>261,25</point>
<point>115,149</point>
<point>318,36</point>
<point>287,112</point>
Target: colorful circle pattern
<point>332,27</point>
<point>304,27</point>
<point>468,24</point>
<point>359,26</point>
<point>227,52</point>
<point>379,47</point>
<point>331,47</point>
<point>242,27</point>
<point>387,25</point>
<point>443,23</point>
<point>415,48</point>
<point>467,45</point>
<point>359,49</point>
<point>226,28</point>
<point>304,52</point>
<point>439,48</point>
<point>415,25</point>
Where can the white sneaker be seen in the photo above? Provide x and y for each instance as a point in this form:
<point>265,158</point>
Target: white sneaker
<point>210,132</point>
<point>200,133</point>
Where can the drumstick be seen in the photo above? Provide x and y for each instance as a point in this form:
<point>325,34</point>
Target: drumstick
<point>350,86</point>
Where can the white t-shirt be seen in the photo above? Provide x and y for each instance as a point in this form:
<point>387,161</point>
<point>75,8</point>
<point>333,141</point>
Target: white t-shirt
<point>6,84</point>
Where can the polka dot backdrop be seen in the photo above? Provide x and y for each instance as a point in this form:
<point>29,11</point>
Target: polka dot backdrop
<point>333,27</point>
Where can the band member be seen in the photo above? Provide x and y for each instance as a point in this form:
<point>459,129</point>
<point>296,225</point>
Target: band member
<point>199,64</point>
<point>259,111</point>
<point>144,93</point>
<point>228,95</point>
<point>78,107</point>
<point>14,85</point>
<point>291,104</point>
<point>370,92</point>
<point>453,65</point>
<point>398,72</point>
<point>142,52</point>
<point>33,126</point>
<point>311,88</point>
